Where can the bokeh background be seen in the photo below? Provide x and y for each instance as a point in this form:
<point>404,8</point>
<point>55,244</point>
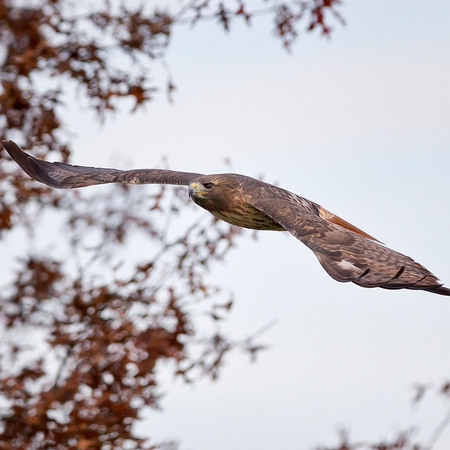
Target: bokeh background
<point>359,123</point>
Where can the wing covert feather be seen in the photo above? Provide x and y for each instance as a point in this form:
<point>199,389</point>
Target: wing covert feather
<point>275,192</point>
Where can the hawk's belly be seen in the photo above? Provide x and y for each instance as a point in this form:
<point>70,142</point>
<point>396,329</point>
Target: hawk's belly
<point>252,218</point>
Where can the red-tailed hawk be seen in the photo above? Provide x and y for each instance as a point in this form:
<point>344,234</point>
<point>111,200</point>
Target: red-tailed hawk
<point>344,251</point>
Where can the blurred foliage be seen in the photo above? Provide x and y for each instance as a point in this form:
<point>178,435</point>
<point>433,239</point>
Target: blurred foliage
<point>106,51</point>
<point>86,324</point>
<point>406,439</point>
<point>105,328</point>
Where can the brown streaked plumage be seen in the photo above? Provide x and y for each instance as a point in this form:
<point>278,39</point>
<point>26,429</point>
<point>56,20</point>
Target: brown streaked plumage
<point>344,251</point>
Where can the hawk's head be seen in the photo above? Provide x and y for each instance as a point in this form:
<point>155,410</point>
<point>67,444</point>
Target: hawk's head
<point>226,197</point>
<point>216,192</point>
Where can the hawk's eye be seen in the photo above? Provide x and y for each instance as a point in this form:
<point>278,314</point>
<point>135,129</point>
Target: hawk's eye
<point>208,186</point>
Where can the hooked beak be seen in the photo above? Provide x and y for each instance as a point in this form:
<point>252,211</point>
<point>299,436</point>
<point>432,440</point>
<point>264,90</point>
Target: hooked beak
<point>194,190</point>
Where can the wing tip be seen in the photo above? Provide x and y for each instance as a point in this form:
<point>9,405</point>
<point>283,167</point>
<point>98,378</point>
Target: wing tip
<point>7,145</point>
<point>442,290</point>
<point>30,165</point>
<point>16,153</point>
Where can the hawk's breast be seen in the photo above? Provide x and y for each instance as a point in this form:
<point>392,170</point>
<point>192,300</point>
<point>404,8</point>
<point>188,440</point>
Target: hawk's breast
<point>248,217</point>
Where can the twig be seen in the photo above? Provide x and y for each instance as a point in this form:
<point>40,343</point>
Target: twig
<point>62,366</point>
<point>438,431</point>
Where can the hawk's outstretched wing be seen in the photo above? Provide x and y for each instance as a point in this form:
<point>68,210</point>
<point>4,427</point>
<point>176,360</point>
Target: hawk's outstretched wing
<point>346,252</point>
<point>348,256</point>
<point>66,176</point>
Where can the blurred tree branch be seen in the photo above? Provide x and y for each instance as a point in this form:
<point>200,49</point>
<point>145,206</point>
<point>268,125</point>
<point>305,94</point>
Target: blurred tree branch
<point>404,439</point>
<point>86,324</point>
<point>98,318</point>
<point>98,334</point>
<point>106,51</point>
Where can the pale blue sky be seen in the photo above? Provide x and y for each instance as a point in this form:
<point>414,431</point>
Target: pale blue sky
<point>359,123</point>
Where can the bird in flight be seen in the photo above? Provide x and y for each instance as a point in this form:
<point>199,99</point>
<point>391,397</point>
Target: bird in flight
<point>344,251</point>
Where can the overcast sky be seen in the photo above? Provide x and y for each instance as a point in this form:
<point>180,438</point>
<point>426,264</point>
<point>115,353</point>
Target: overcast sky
<point>359,123</point>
